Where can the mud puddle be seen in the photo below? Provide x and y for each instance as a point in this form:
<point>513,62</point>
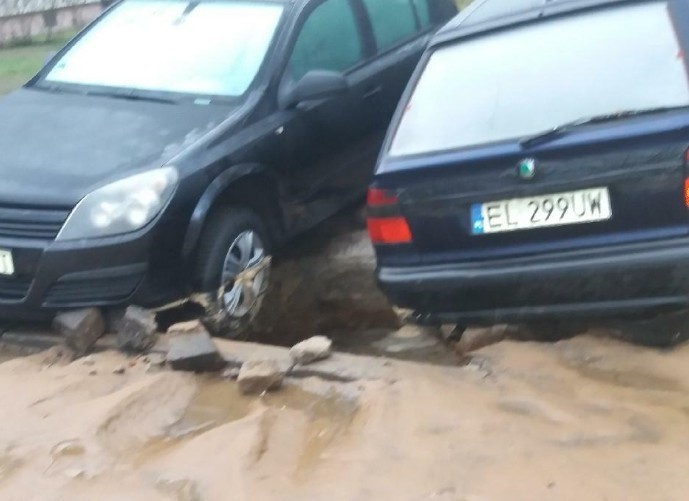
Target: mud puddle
<point>217,402</point>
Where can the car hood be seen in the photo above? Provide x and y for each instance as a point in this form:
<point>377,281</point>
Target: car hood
<point>56,147</point>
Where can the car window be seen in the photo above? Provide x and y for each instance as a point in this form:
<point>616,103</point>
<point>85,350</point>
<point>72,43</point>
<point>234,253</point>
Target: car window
<point>329,40</point>
<point>587,64</point>
<point>393,21</point>
<point>207,48</point>
<point>423,12</point>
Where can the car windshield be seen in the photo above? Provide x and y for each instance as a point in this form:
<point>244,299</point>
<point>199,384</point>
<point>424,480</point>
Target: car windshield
<point>522,81</point>
<point>203,48</point>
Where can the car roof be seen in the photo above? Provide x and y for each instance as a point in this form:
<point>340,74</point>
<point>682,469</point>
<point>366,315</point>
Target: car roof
<point>485,15</point>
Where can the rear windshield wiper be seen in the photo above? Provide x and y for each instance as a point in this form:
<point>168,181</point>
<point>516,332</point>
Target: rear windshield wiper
<point>555,132</point>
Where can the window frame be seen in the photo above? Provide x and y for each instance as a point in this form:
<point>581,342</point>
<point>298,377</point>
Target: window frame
<point>420,30</point>
<point>296,29</point>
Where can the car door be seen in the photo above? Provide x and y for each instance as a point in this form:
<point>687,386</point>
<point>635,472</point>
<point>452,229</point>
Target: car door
<point>401,30</point>
<point>326,142</point>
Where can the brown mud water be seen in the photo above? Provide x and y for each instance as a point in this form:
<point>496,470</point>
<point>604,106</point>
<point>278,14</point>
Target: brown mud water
<point>586,418</point>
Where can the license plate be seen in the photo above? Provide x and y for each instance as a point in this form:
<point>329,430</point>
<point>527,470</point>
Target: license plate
<point>6,263</point>
<point>573,207</point>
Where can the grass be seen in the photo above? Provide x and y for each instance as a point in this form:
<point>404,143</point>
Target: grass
<point>19,63</point>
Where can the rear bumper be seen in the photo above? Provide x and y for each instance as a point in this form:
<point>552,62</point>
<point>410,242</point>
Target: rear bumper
<point>612,281</point>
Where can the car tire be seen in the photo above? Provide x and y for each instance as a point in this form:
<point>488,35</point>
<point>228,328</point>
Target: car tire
<point>233,272</point>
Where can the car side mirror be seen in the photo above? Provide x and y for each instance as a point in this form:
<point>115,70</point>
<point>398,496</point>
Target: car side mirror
<point>316,84</point>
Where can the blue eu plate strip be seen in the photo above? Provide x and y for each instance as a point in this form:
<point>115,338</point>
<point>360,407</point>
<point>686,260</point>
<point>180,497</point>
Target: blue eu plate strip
<point>477,219</point>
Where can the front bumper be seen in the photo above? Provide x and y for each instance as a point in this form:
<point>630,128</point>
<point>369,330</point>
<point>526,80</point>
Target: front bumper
<point>116,271</point>
<point>640,279</point>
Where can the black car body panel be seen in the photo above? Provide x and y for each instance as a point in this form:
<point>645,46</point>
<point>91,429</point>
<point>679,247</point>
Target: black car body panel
<point>635,261</point>
<point>77,142</point>
<point>295,166</point>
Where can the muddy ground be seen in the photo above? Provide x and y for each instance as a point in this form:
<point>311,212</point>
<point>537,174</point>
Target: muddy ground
<point>587,418</point>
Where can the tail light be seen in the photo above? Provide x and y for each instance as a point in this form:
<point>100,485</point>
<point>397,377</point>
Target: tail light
<point>386,225</point>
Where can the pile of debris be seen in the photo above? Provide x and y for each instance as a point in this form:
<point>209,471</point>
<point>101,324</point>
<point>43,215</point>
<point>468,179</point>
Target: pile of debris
<point>185,347</point>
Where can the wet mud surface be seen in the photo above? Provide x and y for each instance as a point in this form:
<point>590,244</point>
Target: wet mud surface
<point>586,418</point>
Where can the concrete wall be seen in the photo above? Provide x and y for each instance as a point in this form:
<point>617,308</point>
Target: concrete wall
<point>25,19</point>
<point>17,7</point>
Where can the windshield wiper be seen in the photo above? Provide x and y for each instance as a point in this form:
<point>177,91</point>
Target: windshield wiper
<point>130,96</point>
<point>555,132</point>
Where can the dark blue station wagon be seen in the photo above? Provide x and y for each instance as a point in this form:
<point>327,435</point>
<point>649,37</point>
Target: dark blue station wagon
<point>537,166</point>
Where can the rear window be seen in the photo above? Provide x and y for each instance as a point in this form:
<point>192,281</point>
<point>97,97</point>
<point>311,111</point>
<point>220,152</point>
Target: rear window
<point>525,80</point>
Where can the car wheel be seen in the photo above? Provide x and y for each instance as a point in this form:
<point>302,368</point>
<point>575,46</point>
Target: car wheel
<point>233,271</point>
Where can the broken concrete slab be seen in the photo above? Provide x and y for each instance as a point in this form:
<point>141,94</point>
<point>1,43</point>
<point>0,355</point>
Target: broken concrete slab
<point>258,376</point>
<point>137,330</point>
<point>193,351</point>
<point>80,329</point>
<point>311,350</point>
<point>338,367</point>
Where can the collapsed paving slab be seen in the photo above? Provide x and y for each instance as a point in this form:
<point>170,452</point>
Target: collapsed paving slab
<point>339,367</point>
<point>80,329</point>
<point>190,348</point>
<point>137,330</point>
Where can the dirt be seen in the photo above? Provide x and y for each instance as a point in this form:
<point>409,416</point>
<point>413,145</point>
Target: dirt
<point>586,418</point>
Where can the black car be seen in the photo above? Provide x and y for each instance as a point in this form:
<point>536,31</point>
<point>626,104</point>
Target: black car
<point>172,144</point>
<point>537,168</point>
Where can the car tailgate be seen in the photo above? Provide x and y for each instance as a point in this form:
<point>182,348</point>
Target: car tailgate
<point>642,173</point>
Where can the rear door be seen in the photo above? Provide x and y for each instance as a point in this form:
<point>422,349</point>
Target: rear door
<point>401,30</point>
<point>472,189</point>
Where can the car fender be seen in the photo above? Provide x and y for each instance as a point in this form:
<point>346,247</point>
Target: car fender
<point>213,192</point>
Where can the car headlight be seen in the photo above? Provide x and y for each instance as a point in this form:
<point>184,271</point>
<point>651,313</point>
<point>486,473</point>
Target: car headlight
<point>121,207</point>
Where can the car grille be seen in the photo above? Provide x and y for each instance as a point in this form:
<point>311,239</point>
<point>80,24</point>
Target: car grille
<point>70,291</point>
<point>14,289</point>
<point>31,223</point>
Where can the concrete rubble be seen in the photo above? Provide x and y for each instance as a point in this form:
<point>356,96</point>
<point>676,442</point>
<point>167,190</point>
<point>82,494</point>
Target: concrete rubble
<point>137,330</point>
<point>259,376</point>
<point>190,348</point>
<point>80,329</point>
<point>340,367</point>
<point>311,350</point>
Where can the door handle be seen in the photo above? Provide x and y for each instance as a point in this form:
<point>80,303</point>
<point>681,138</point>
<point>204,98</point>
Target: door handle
<point>373,92</point>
